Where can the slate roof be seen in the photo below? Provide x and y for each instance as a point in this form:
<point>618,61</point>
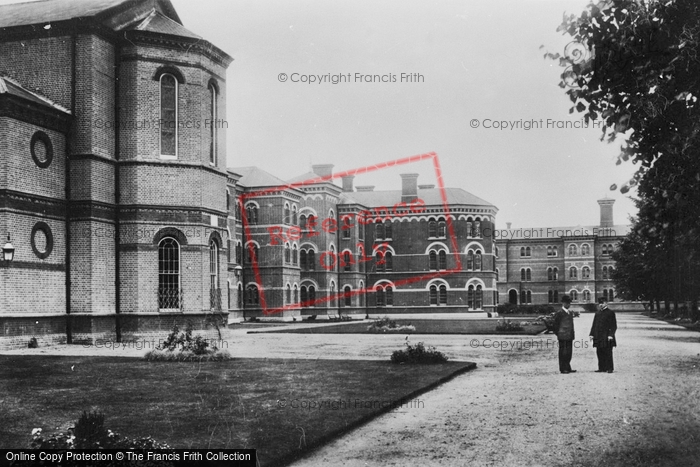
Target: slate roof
<point>48,11</point>
<point>157,22</point>
<point>431,196</point>
<point>254,177</point>
<point>10,87</point>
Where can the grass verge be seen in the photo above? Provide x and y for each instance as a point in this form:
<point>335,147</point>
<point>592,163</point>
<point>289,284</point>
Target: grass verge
<point>283,408</point>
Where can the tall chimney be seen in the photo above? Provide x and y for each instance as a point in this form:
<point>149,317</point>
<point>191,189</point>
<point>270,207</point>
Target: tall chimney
<point>323,170</point>
<point>606,212</point>
<point>347,183</point>
<point>409,187</point>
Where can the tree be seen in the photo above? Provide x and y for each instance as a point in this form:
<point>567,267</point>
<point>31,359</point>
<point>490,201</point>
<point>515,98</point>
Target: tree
<point>635,65</point>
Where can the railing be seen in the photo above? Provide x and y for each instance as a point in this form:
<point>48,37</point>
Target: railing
<point>170,299</point>
<point>215,299</point>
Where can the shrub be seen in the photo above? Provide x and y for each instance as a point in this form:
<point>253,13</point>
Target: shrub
<point>158,355</point>
<point>33,343</point>
<point>506,325</point>
<point>184,342</point>
<point>418,354</point>
<point>389,325</point>
<point>90,433</point>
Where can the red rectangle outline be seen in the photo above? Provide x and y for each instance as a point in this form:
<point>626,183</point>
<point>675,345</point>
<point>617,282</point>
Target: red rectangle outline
<point>406,160</point>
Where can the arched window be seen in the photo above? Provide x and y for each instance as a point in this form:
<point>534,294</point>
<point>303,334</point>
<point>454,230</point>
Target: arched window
<point>555,273</point>
<point>252,295</point>
<point>528,274</point>
<point>573,272</point>
<point>586,295</point>
<point>312,295</point>
<point>347,296</point>
<point>605,272</point>
<point>550,296</point>
<point>287,214</point>
<point>388,261</point>
<point>572,250</point>
<point>311,260</point>
<point>610,272</point>
<point>443,295</point>
<point>333,294</point>
<point>585,273</point>
<point>432,228</point>
<point>379,230</point>
<point>296,294</point>
<point>169,293</point>
<point>380,296</point>
<point>574,295</point>
<point>477,229</point>
<point>214,291</point>
<point>287,253</point>
<point>497,274</point>
<point>331,259</point>
<point>528,252</point>
<point>433,295</point>
<point>348,261</point>
<point>479,298</point>
<point>389,296</point>
<point>477,261</point>
<point>168,115</point>
<point>302,260</point>
<point>522,274</point>
<point>442,260</point>
<point>555,251</point>
<point>585,249</point>
<point>295,255</point>
<point>470,229</point>
<point>496,251</point>
<point>387,229</point>
<point>528,296</point>
<point>362,295</point>
<point>252,214</point>
<point>302,222</point>
<point>470,298</point>
<point>239,298</point>
<point>550,277</point>
<point>239,253</point>
<point>432,260</point>
<point>295,219</point>
<point>550,252</point>
<point>470,260</point>
<point>556,296</point>
<point>213,112</point>
<point>441,230</point>
<point>288,295</point>
<point>252,253</point>
<point>522,251</point>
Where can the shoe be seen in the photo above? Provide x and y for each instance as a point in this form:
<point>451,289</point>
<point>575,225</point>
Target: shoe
<point>610,371</point>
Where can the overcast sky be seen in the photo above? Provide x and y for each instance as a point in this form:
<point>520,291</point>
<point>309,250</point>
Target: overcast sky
<point>479,59</point>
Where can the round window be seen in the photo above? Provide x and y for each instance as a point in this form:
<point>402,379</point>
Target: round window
<point>42,240</point>
<point>41,149</point>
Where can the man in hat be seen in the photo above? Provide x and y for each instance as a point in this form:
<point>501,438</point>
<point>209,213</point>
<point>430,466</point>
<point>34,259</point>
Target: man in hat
<point>603,335</point>
<point>564,329</point>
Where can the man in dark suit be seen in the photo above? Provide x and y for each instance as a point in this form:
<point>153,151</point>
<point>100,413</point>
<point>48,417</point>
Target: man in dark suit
<point>564,329</point>
<point>603,335</point>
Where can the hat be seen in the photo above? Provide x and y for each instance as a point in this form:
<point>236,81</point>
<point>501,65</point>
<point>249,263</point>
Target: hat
<point>566,299</point>
<point>602,300</point>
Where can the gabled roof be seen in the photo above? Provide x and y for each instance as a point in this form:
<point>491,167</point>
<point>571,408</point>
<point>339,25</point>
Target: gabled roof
<point>254,177</point>
<point>431,196</point>
<point>158,22</point>
<point>11,87</point>
<point>49,11</point>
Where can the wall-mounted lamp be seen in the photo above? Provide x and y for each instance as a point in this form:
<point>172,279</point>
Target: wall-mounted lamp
<point>8,251</point>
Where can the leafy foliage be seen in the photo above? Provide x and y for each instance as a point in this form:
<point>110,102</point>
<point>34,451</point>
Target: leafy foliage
<point>635,66</point>
<point>387,324</point>
<point>506,325</point>
<point>184,342</point>
<point>418,354</point>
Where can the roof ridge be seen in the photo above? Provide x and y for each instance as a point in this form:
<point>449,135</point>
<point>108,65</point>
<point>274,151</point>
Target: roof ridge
<point>35,94</point>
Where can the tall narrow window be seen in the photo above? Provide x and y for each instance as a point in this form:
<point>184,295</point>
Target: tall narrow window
<point>287,253</point>
<point>379,232</point>
<point>311,260</point>
<point>288,298</point>
<point>214,291</point>
<point>347,296</point>
<point>389,296</point>
<point>253,294</point>
<point>441,229</point>
<point>295,255</point>
<point>296,294</point>
<point>470,297</point>
<point>443,295</point>
<point>169,275</point>
<point>477,261</point>
<point>556,296</point>
<point>442,257</point>
<point>433,295</point>
<point>212,123</point>
<point>389,261</point>
<point>432,263</point>
<point>380,297</point>
<point>168,115</point>
<point>432,228</point>
<point>239,298</point>
<point>479,298</point>
<point>387,229</point>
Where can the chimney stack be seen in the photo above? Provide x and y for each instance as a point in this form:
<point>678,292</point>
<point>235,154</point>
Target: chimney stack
<point>409,187</point>
<point>606,212</point>
<point>508,224</point>
<point>347,183</point>
<point>323,170</point>
<point>365,187</point>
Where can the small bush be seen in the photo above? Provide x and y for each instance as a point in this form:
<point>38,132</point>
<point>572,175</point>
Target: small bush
<point>90,433</point>
<point>159,355</point>
<point>506,325</point>
<point>184,342</point>
<point>418,354</point>
<point>389,325</point>
<point>33,343</point>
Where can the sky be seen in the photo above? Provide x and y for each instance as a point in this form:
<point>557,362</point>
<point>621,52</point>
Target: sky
<point>479,62</point>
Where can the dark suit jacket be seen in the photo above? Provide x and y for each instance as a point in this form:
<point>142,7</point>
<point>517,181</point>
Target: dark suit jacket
<point>564,325</point>
<point>604,326</point>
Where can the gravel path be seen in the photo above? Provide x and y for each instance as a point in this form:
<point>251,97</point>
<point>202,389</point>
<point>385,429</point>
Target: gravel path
<point>517,409</point>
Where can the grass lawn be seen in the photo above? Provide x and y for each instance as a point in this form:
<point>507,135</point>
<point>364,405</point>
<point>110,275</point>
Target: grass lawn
<point>423,326</point>
<point>246,403</point>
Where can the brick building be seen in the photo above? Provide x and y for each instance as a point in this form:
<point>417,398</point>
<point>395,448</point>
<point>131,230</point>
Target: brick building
<point>113,176</point>
<point>538,265</point>
<point>356,251</point>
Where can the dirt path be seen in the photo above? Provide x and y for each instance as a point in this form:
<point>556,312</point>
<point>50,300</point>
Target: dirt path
<point>517,409</point>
